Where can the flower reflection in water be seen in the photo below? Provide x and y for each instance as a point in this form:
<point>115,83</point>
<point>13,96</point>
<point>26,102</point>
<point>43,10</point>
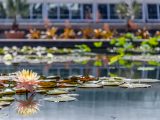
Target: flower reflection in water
<point>27,107</point>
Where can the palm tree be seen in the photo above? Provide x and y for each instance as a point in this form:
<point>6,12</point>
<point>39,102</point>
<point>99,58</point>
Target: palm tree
<point>16,9</point>
<point>128,10</point>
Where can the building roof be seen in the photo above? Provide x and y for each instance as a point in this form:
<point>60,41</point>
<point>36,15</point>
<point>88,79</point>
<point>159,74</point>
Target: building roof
<point>90,1</point>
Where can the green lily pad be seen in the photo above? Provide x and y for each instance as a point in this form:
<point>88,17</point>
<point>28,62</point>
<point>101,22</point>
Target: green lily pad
<point>134,85</point>
<point>145,80</point>
<point>7,99</point>
<point>111,83</point>
<point>68,89</point>
<point>56,92</point>
<point>64,98</point>
<point>91,85</point>
<point>4,103</point>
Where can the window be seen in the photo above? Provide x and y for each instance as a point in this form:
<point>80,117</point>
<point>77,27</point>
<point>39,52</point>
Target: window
<point>113,13</point>
<point>152,11</point>
<point>37,10</point>
<point>102,11</point>
<point>87,11</point>
<point>52,11</point>
<point>75,11</point>
<point>64,11</point>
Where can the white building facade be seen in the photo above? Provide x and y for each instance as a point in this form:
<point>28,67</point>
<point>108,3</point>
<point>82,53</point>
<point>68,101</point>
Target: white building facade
<point>84,11</point>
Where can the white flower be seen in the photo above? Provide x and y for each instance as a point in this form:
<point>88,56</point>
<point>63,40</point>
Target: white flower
<point>7,57</point>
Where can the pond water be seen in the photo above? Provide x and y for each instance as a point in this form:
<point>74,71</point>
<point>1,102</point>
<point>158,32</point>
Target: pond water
<point>68,69</point>
<point>98,104</point>
<point>108,103</point>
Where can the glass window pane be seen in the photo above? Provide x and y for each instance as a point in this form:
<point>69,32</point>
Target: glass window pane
<point>52,11</point>
<point>75,11</point>
<point>37,10</point>
<point>87,11</point>
<point>2,11</point>
<point>64,11</point>
<point>113,13</point>
<point>102,11</point>
<point>152,11</point>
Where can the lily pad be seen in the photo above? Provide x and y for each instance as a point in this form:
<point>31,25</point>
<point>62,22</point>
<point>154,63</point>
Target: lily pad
<point>3,103</point>
<point>63,98</point>
<point>91,85</point>
<point>56,92</point>
<point>111,83</point>
<point>145,80</point>
<point>68,89</point>
<point>8,91</point>
<point>53,77</point>
<point>73,95</point>
<point>7,99</point>
<point>112,79</point>
<point>63,85</point>
<point>41,91</point>
<point>134,85</point>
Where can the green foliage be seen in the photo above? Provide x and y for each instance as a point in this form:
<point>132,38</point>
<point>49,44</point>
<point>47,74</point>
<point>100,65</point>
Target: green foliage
<point>123,43</point>
<point>128,10</point>
<point>84,62</point>
<point>129,36</point>
<point>112,75</point>
<point>114,59</point>
<point>1,51</point>
<point>98,63</point>
<point>152,42</point>
<point>154,63</point>
<point>83,47</point>
<point>15,8</point>
<point>2,10</point>
<point>98,44</point>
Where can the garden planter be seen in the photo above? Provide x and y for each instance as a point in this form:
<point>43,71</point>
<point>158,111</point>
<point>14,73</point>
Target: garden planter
<point>14,35</point>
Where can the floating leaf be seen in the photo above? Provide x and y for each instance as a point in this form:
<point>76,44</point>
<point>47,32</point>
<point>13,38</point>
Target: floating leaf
<point>90,85</point>
<point>62,98</point>
<point>98,44</point>
<point>134,85</point>
<point>56,92</point>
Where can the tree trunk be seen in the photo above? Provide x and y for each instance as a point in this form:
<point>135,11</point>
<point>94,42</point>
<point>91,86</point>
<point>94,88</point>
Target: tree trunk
<point>15,26</point>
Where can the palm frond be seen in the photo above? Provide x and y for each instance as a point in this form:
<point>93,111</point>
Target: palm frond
<point>16,7</point>
<point>127,11</point>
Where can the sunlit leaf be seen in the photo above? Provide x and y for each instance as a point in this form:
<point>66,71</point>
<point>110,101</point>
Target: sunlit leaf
<point>114,59</point>
<point>98,63</point>
<point>98,44</point>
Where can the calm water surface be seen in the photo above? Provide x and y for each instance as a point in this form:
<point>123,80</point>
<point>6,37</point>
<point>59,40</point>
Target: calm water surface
<point>98,104</point>
<point>107,103</point>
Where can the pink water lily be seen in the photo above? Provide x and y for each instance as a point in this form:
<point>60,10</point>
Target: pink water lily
<point>27,79</point>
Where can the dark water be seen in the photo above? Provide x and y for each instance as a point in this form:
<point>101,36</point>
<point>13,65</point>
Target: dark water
<point>98,104</point>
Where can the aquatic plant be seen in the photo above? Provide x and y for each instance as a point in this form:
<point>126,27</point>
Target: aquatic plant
<point>27,79</point>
